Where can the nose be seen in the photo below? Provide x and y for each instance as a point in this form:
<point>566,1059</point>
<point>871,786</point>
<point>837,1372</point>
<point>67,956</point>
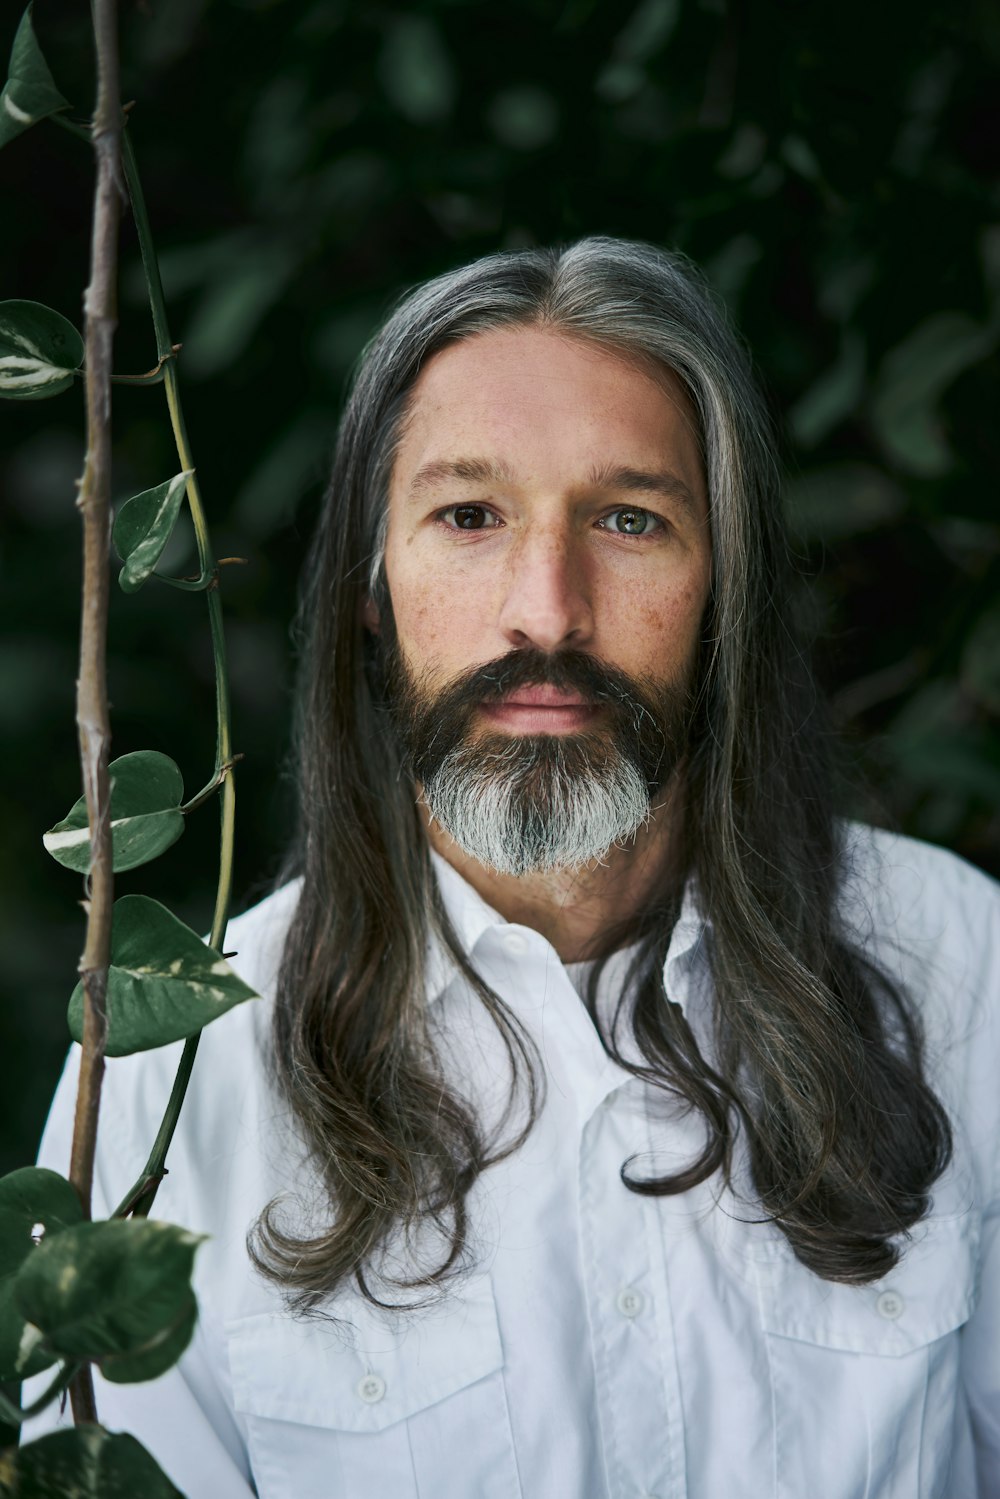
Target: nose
<point>547,602</point>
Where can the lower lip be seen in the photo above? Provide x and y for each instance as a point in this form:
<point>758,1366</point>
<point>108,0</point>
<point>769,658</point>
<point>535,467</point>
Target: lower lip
<point>531,719</point>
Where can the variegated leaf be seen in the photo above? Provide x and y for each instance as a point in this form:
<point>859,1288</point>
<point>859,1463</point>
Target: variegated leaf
<point>30,93</point>
<point>144,525</point>
<point>40,351</point>
<point>164,984</point>
<point>146,793</point>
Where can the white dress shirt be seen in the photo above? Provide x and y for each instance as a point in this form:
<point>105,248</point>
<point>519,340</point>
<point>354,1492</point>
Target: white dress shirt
<point>602,1345</point>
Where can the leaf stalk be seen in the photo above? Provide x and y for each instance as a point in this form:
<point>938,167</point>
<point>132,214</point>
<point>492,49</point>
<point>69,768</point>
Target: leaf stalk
<point>151,377</point>
<point>212,787</point>
<point>15,1414</point>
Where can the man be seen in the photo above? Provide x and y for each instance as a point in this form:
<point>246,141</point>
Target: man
<point>615,1122</point>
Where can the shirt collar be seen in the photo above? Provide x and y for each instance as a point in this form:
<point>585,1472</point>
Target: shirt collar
<point>471,917</point>
<point>687,947</point>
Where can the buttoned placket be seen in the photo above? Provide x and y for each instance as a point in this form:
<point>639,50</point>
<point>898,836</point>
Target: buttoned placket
<point>624,1277</point>
<point>628,1291</point>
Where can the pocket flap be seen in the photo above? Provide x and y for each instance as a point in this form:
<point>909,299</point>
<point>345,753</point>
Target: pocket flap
<point>930,1292</point>
<point>361,1369</point>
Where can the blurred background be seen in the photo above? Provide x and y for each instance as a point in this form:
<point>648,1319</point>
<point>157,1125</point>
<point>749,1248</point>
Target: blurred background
<point>832,166</point>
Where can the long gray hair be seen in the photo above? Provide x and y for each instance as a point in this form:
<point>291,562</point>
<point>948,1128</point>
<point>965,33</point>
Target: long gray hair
<point>817,1055</point>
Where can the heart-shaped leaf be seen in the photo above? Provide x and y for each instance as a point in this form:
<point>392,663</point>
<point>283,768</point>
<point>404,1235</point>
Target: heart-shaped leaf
<point>35,1205</point>
<point>40,351</point>
<point>158,1354</point>
<point>912,380</point>
<point>981,660</point>
<point>30,92</point>
<point>114,1290</point>
<point>144,525</point>
<point>86,1462</point>
<point>146,794</point>
<point>164,984</point>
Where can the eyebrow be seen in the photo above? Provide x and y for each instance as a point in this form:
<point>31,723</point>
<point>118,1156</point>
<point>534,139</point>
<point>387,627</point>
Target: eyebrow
<point>616,477</point>
<point>643,481</point>
<point>467,470</point>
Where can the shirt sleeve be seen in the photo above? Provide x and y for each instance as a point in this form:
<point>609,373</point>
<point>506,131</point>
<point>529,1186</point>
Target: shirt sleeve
<point>197,1446</point>
<point>981,1363</point>
<point>979,934</point>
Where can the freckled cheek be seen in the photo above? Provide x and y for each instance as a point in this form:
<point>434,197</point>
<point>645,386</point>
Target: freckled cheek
<point>659,630</point>
<point>439,623</point>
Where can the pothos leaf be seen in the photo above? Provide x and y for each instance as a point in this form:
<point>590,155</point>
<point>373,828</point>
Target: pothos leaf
<point>159,1353</point>
<point>40,351</point>
<point>164,983</point>
<point>144,525</point>
<point>87,1462</point>
<point>120,1289</point>
<point>35,1205</point>
<point>146,794</point>
<point>30,93</point>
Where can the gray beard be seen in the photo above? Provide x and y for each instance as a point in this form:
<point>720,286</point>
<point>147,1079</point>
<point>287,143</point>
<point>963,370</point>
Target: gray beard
<point>532,803</point>
<point>528,805</point>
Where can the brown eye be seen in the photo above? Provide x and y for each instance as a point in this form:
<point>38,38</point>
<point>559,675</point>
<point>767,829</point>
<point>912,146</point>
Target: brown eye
<point>469,517</point>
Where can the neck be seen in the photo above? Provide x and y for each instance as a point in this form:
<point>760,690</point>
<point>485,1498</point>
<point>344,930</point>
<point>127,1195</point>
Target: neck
<point>574,909</point>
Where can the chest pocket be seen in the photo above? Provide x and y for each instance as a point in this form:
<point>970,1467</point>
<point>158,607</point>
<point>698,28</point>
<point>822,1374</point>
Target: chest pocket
<point>410,1404</point>
<point>879,1362</point>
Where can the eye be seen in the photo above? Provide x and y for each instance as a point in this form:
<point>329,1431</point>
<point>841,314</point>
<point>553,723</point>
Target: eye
<point>629,521</point>
<point>469,518</point>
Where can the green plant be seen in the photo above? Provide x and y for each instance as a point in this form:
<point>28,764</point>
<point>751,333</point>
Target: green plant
<point>145,978</point>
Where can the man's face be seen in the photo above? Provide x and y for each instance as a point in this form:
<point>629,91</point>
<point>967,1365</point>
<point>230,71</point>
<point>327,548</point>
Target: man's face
<point>548,563</point>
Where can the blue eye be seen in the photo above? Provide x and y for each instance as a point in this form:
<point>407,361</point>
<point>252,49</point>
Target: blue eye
<point>630,522</point>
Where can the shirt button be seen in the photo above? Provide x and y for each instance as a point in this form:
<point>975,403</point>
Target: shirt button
<point>890,1304</point>
<point>515,942</point>
<point>371,1388</point>
<point>629,1302</point>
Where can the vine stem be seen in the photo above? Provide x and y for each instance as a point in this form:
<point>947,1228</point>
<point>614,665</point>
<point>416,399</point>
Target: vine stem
<point>92,712</point>
<point>139,1199</point>
<point>15,1414</point>
<point>166,352</point>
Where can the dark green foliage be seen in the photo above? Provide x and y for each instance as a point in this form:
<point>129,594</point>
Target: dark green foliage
<point>117,1292</point>
<point>834,169</point>
<point>164,982</point>
<point>40,351</point>
<point>29,93</point>
<point>143,526</point>
<point>86,1462</point>
<point>146,795</point>
<point>35,1204</point>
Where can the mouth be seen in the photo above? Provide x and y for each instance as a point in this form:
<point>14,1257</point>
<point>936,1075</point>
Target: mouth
<point>541,709</point>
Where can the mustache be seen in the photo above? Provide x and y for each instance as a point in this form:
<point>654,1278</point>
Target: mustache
<point>595,681</point>
<point>648,721</point>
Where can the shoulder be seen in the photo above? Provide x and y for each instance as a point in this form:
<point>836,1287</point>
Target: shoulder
<point>899,892</point>
<point>931,922</point>
<point>912,863</point>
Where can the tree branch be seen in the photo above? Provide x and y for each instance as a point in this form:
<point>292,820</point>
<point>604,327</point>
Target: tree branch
<point>93,720</point>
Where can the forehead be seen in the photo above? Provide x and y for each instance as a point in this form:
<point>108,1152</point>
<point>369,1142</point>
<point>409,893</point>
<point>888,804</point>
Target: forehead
<point>542,404</point>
